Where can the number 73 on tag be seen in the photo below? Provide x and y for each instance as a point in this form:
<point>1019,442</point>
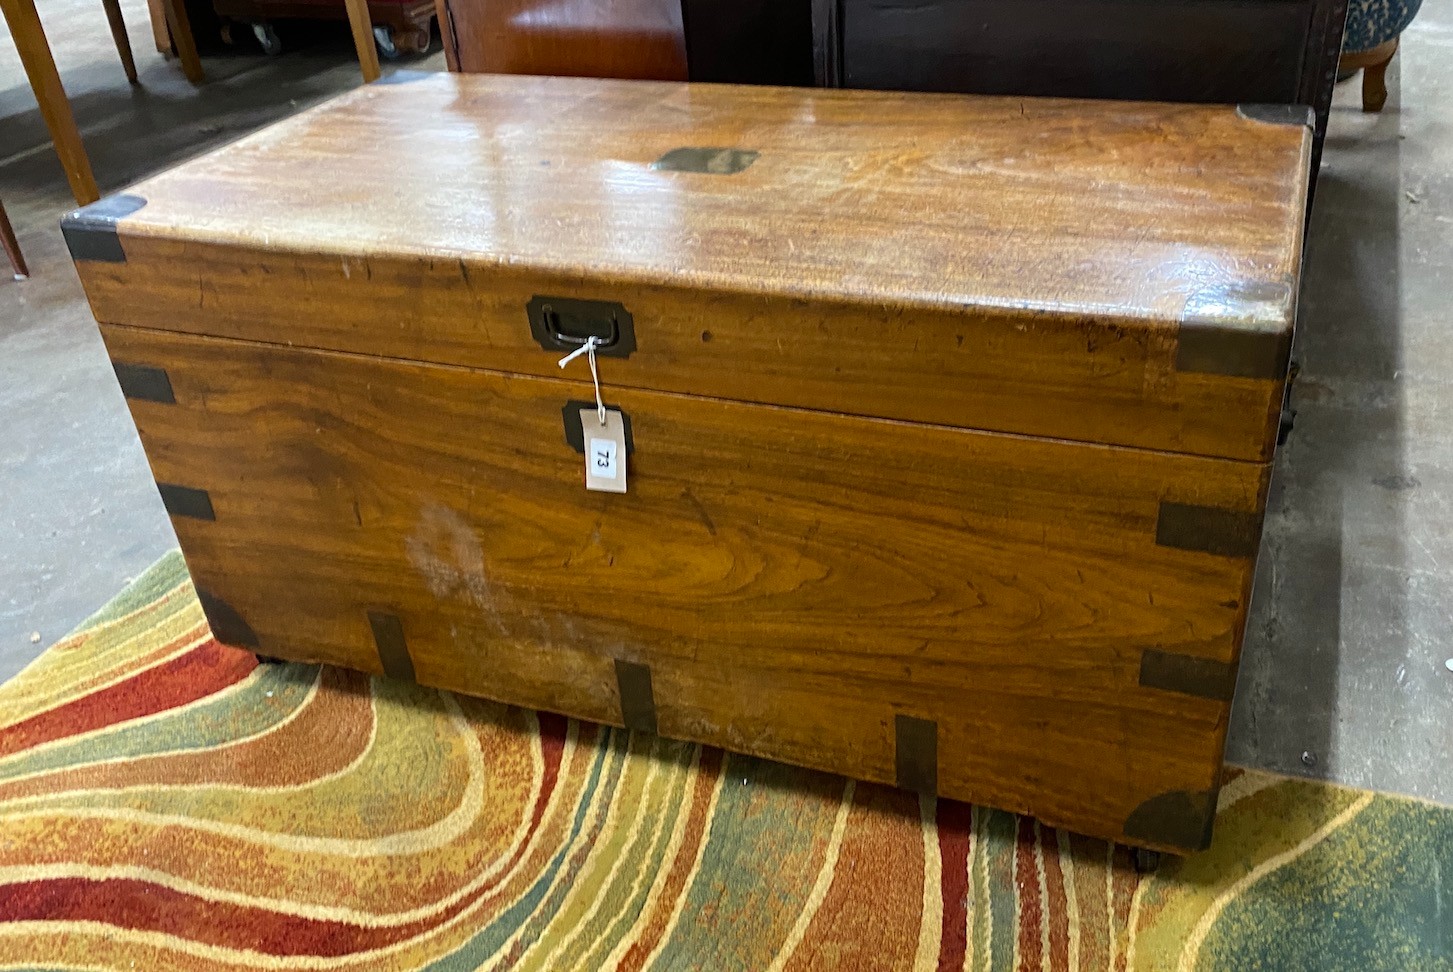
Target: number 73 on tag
<point>605,450</point>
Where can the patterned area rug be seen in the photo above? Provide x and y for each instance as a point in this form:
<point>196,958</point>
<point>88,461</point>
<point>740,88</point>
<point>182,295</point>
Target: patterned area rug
<point>167,804</point>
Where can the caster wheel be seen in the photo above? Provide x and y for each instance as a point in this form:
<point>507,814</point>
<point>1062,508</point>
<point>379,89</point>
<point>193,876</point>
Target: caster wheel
<point>1146,861</point>
<point>226,31</point>
<point>267,36</point>
<point>383,38</point>
<point>415,41</point>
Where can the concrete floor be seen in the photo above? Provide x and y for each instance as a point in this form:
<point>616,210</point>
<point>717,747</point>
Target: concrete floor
<point>1352,621</point>
<point>1344,673</point>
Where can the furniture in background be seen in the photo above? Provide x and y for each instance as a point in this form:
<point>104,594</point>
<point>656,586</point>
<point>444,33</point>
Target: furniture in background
<point>172,28</point>
<point>575,38</point>
<point>398,25</point>
<point>179,26</point>
<point>118,36</point>
<point>1227,51</point>
<point>12,246</point>
<point>744,42</point>
<point>45,82</point>
<point>55,108</point>
<point>50,94</point>
<point>1373,29</point>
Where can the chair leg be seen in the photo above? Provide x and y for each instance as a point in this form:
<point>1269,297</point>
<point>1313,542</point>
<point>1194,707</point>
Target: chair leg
<point>186,44</point>
<point>12,246</point>
<point>446,34</point>
<point>362,25</point>
<point>118,34</point>
<point>1374,84</point>
<point>55,108</point>
<point>161,35</point>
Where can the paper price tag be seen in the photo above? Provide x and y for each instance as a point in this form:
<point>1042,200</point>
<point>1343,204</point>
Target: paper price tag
<point>603,458</point>
<point>605,450</point>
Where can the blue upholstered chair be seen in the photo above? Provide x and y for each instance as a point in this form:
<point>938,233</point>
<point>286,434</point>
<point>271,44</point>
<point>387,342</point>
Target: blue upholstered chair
<point>1373,28</point>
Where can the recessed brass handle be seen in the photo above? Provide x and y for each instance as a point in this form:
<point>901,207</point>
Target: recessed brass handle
<point>554,326</point>
<point>565,323</point>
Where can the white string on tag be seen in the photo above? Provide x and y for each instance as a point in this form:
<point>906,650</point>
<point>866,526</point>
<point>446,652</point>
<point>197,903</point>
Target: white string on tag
<point>588,349</point>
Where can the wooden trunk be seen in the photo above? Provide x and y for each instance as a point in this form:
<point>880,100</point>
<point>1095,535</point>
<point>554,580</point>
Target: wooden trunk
<point>950,417</point>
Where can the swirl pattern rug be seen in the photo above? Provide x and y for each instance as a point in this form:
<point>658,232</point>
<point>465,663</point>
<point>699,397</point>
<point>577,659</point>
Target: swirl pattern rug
<point>166,803</point>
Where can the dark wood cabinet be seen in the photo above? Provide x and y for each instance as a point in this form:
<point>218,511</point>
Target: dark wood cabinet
<point>1193,50</point>
<point>750,41</point>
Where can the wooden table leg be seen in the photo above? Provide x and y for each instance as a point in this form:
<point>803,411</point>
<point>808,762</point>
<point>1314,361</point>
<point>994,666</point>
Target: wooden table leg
<point>118,34</point>
<point>12,245</point>
<point>362,25</point>
<point>186,44</point>
<point>55,108</point>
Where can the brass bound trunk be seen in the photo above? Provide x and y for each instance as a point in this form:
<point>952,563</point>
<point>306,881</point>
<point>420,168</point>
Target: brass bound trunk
<point>949,418</point>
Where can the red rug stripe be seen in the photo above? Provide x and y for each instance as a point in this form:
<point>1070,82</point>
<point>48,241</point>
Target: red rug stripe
<point>1056,903</point>
<point>553,732</point>
<point>1026,889</point>
<point>144,906</point>
<point>203,671</point>
<point>955,825</point>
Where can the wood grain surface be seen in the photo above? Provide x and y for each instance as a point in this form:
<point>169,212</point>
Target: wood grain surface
<point>794,580</point>
<point>1006,264</point>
